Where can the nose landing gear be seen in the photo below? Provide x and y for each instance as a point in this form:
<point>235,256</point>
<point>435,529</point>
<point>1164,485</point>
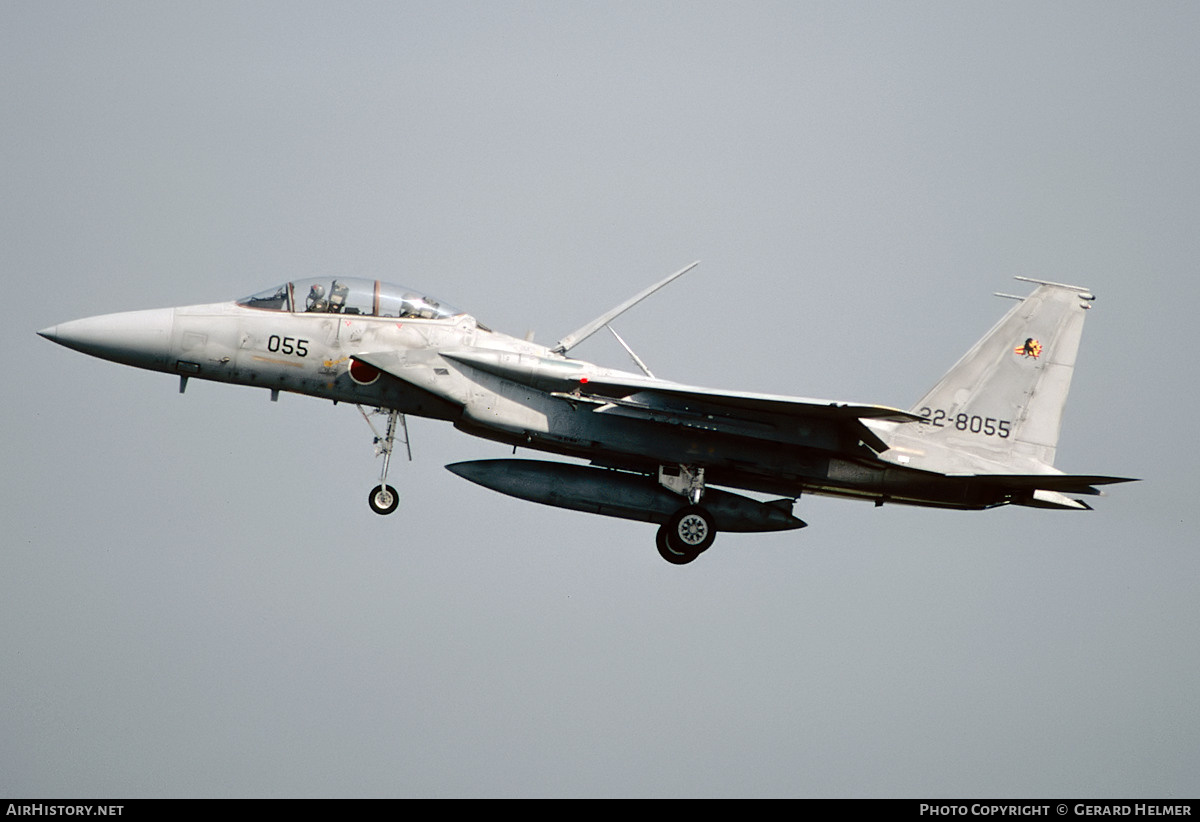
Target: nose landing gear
<point>383,498</point>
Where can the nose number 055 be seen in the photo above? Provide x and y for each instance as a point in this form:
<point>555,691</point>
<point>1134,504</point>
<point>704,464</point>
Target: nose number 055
<point>287,345</point>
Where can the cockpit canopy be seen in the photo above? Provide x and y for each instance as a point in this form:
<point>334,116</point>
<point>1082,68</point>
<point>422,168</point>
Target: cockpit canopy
<point>348,295</point>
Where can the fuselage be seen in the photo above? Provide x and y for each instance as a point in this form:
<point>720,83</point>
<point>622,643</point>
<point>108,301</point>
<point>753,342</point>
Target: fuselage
<point>282,342</point>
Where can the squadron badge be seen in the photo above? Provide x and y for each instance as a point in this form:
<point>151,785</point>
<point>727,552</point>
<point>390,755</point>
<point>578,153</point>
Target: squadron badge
<point>1031,348</point>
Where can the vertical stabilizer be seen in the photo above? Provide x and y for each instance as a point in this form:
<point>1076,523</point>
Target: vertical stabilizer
<point>999,409</point>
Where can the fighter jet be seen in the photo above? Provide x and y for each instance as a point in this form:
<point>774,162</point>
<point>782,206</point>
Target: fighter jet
<point>656,451</point>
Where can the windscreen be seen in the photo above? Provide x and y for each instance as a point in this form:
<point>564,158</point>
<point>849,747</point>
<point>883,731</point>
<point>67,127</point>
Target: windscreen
<point>347,295</point>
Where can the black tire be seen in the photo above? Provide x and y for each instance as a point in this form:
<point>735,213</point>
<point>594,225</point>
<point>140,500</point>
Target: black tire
<point>668,553</point>
<point>689,532</point>
<point>383,499</point>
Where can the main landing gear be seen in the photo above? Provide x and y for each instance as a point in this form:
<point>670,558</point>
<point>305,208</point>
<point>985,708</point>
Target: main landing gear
<point>690,531</point>
<point>383,498</point>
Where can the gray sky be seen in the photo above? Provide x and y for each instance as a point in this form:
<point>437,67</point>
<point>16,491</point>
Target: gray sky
<point>196,600</point>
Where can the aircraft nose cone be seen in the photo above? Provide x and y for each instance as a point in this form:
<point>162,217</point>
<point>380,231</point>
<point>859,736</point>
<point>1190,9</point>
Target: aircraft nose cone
<point>141,338</point>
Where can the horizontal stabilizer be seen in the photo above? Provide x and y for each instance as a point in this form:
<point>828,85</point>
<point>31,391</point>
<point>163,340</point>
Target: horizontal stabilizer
<point>1054,500</point>
<point>1062,483</point>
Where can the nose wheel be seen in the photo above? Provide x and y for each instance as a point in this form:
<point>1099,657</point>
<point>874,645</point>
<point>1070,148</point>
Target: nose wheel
<point>383,498</point>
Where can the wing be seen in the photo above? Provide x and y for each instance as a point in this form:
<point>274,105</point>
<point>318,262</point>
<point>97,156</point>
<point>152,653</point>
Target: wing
<point>574,379</point>
<point>733,412</point>
<point>825,424</point>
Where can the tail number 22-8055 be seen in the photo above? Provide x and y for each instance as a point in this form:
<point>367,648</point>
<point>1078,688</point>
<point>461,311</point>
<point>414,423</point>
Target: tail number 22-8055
<point>989,426</point>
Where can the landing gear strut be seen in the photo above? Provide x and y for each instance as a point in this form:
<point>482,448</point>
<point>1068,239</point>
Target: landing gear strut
<point>383,498</point>
<point>690,530</point>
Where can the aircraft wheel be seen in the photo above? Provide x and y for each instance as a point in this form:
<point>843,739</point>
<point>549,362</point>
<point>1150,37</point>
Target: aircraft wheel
<point>383,499</point>
<point>670,554</point>
<point>691,529</point>
<point>688,533</point>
